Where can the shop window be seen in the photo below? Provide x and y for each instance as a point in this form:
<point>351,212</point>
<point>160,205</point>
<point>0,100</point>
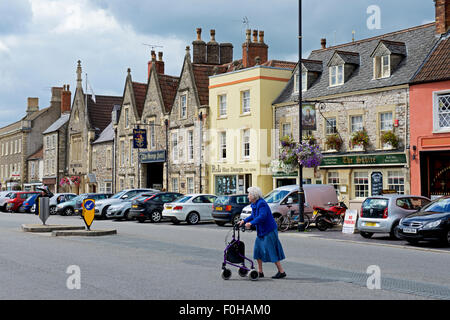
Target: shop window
<point>361,184</point>
<point>396,181</point>
<point>225,185</point>
<point>333,178</point>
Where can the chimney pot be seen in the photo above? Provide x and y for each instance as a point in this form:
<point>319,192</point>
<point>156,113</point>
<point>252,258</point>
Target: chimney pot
<point>153,54</point>
<point>247,35</point>
<point>199,34</point>
<point>261,37</point>
<point>323,43</point>
<point>255,35</point>
<point>160,56</point>
<point>213,35</point>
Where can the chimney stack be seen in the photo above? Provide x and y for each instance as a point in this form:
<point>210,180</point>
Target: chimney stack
<point>33,105</point>
<point>212,50</point>
<point>442,16</point>
<point>323,43</point>
<point>66,99</point>
<point>199,48</point>
<point>254,52</point>
<point>159,64</point>
<point>226,53</point>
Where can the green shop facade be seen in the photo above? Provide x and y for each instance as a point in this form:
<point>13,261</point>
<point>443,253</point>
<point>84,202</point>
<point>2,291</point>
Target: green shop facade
<point>358,176</point>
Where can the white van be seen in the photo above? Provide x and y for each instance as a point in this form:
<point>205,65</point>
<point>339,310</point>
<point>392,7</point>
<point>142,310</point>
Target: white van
<point>315,195</point>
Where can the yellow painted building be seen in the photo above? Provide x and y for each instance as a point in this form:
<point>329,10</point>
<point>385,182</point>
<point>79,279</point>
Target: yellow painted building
<point>239,135</point>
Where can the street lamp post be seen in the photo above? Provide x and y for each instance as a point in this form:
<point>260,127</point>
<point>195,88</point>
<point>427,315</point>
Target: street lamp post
<point>301,192</point>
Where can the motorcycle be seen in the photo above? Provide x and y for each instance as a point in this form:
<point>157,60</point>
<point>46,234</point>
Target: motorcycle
<point>328,217</point>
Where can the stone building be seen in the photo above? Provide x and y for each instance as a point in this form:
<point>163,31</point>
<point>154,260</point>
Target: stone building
<point>102,160</point>
<point>126,167</point>
<point>362,85</point>
<point>158,104</point>
<point>89,116</point>
<point>23,138</point>
<point>55,146</point>
<point>35,165</point>
<point>188,117</point>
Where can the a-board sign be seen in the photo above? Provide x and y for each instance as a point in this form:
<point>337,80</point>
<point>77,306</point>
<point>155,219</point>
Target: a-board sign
<point>88,212</point>
<point>377,183</point>
<point>350,221</point>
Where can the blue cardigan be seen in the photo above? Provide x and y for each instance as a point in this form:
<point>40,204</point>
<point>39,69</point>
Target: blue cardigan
<point>262,218</point>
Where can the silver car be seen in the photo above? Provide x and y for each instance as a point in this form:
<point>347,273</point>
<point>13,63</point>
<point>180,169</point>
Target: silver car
<point>4,195</point>
<point>381,214</point>
<point>191,208</point>
<point>122,209</point>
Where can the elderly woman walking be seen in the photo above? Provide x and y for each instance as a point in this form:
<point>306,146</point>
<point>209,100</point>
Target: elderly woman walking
<point>267,245</point>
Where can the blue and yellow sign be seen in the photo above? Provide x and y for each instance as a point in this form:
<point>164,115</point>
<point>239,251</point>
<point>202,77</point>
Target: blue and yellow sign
<point>139,138</point>
<point>88,212</point>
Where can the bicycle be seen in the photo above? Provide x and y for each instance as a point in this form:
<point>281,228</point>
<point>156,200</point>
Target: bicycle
<point>285,222</point>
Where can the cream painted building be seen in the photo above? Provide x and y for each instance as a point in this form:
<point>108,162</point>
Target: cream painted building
<point>239,147</point>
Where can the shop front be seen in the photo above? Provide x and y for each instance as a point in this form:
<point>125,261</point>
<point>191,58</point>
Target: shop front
<point>435,169</point>
<point>357,177</point>
<point>152,166</point>
<point>230,179</point>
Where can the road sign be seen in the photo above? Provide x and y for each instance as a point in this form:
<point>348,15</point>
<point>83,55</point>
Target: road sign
<point>88,212</point>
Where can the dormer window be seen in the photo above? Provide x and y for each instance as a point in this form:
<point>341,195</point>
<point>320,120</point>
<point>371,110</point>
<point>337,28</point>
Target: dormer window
<point>304,81</point>
<point>341,67</point>
<point>386,57</point>
<point>337,75</point>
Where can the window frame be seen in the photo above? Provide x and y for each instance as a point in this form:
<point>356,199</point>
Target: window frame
<point>336,72</point>
<point>243,102</point>
<point>436,115</point>
<point>222,105</point>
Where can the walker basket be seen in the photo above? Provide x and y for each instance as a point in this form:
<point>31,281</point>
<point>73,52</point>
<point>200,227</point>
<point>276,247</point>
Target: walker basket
<point>236,252</point>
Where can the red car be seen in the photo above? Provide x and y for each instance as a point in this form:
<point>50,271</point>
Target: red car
<point>16,199</point>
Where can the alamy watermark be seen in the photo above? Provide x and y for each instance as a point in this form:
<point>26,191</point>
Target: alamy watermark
<point>374,19</point>
<point>74,280</point>
<point>374,279</point>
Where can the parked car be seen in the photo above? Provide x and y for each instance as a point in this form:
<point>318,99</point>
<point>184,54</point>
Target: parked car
<point>381,214</point>
<point>17,198</point>
<point>55,200</point>
<point>122,209</point>
<point>191,208</point>
<point>78,208</point>
<point>101,206</point>
<point>228,208</point>
<point>29,204</point>
<point>315,195</point>
<point>430,223</point>
<point>4,195</point>
<point>73,206</point>
<point>151,207</point>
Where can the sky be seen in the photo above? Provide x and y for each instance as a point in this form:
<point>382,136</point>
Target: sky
<point>42,40</point>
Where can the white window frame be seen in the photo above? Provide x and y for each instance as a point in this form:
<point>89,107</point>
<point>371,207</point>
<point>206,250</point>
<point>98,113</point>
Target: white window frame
<point>190,185</point>
<point>152,141</point>
<point>222,102</point>
<point>245,143</point>
<point>245,100</point>
<point>386,124</point>
<point>436,123</point>
<point>284,129</point>
<point>364,193</point>
<point>396,180</point>
<point>223,145</point>
<point>183,106</point>
<point>174,139</point>
<point>336,75</point>
<point>353,126</point>
<point>190,145</point>
<point>175,184</point>
<point>328,127</point>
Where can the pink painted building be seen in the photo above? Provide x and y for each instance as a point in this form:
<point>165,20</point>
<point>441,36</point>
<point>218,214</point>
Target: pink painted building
<point>430,115</point>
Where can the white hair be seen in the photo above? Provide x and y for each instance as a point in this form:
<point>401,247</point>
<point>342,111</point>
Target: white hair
<point>255,192</point>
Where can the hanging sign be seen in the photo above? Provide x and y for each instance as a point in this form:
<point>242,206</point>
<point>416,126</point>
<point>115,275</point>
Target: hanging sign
<point>139,138</point>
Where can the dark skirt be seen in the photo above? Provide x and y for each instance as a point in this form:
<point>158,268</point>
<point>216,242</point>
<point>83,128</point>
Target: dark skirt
<point>268,248</point>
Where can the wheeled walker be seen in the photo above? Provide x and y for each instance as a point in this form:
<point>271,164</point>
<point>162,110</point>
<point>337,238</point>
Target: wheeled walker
<point>234,255</point>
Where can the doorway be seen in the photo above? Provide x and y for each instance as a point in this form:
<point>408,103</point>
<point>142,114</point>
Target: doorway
<point>154,175</point>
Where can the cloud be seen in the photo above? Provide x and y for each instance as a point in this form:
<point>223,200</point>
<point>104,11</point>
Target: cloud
<point>14,16</point>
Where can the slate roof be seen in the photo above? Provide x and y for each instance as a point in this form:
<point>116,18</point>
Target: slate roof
<point>418,41</point>
<point>99,112</point>
<point>107,135</point>
<point>58,123</point>
<point>437,64</point>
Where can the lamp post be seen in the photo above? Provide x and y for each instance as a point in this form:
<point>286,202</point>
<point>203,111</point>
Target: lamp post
<point>301,192</point>
<point>200,118</point>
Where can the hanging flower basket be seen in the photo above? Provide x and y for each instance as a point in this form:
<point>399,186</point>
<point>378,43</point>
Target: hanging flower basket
<point>75,180</point>
<point>64,181</point>
<point>306,153</point>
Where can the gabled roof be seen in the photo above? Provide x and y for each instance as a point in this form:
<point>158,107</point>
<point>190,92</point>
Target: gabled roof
<point>389,47</point>
<point>99,112</point>
<point>140,90</point>
<point>201,75</point>
<point>37,155</point>
<point>437,65</point>
<point>168,85</point>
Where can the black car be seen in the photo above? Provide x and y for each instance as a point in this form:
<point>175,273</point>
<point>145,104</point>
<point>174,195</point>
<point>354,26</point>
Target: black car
<point>228,208</point>
<point>430,223</point>
<point>151,207</point>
